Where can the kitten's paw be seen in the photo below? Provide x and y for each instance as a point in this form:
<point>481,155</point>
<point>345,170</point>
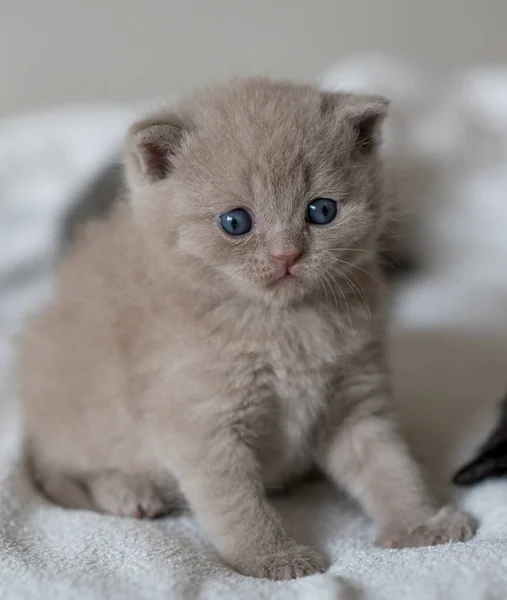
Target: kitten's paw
<point>127,496</point>
<point>296,561</point>
<point>448,525</point>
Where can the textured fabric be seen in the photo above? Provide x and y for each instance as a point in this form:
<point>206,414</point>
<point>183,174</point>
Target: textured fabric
<point>448,143</point>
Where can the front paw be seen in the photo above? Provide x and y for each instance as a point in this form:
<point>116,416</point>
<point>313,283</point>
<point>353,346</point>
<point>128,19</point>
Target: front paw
<point>448,525</point>
<point>290,563</point>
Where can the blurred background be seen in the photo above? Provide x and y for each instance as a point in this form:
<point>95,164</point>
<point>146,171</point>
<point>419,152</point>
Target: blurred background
<point>75,73</point>
<point>68,51</point>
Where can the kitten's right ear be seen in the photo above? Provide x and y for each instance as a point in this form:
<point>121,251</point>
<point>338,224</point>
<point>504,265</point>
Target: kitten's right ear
<point>364,113</point>
<point>152,143</point>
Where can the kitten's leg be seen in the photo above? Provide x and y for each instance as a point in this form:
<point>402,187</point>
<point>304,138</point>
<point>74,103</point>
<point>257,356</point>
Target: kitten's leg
<point>61,489</point>
<point>366,455</point>
<point>131,495</point>
<point>222,484</point>
<point>110,492</point>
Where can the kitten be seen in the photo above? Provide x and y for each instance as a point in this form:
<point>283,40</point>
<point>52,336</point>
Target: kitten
<point>491,458</point>
<point>223,331</point>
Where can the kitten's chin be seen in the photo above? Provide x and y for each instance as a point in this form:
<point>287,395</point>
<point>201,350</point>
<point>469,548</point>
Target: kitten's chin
<point>289,289</point>
<point>275,291</point>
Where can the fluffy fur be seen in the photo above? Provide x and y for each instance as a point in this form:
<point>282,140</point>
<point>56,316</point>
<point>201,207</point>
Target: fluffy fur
<point>177,365</point>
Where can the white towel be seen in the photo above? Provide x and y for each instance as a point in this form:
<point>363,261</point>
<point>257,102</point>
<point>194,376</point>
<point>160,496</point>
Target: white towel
<point>448,143</point>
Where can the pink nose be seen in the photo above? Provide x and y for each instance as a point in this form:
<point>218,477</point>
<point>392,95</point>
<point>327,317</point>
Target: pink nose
<point>289,258</point>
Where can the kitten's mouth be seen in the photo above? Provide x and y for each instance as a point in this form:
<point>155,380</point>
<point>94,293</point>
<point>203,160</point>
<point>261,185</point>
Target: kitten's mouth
<point>281,279</point>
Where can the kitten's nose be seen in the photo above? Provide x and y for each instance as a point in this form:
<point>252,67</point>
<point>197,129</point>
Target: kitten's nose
<point>289,258</point>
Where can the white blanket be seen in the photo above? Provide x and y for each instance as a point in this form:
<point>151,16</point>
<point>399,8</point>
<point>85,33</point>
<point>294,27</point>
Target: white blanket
<point>448,141</point>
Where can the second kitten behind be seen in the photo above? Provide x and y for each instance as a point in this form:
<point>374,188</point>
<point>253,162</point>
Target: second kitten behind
<point>490,460</point>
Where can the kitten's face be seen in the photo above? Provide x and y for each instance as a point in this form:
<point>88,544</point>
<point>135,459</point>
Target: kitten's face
<point>275,189</point>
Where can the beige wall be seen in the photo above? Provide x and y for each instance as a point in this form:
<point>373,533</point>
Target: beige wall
<point>58,51</point>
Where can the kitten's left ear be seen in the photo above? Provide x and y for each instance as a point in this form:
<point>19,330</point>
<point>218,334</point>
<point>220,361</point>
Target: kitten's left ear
<point>364,113</point>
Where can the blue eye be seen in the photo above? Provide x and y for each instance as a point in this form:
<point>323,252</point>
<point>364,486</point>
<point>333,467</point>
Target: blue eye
<point>321,211</point>
<point>236,222</point>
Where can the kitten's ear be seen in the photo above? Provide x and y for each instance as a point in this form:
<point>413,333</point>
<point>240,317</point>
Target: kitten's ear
<point>364,113</point>
<point>152,144</point>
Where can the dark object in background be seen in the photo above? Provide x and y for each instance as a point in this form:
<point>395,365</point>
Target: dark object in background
<point>97,200</point>
<point>491,459</point>
<point>396,265</point>
<point>94,202</point>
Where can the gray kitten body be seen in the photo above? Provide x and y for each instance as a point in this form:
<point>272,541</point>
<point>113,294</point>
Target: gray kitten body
<point>179,365</point>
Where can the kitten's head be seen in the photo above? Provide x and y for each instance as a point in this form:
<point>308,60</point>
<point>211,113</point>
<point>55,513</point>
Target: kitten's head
<point>272,187</point>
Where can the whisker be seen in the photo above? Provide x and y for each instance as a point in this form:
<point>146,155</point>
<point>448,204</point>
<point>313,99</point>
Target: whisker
<point>353,266</point>
<point>333,287</point>
<point>356,289</point>
<point>325,293</point>
<point>324,284</point>
<point>354,145</point>
<point>375,254</point>
<point>335,299</point>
